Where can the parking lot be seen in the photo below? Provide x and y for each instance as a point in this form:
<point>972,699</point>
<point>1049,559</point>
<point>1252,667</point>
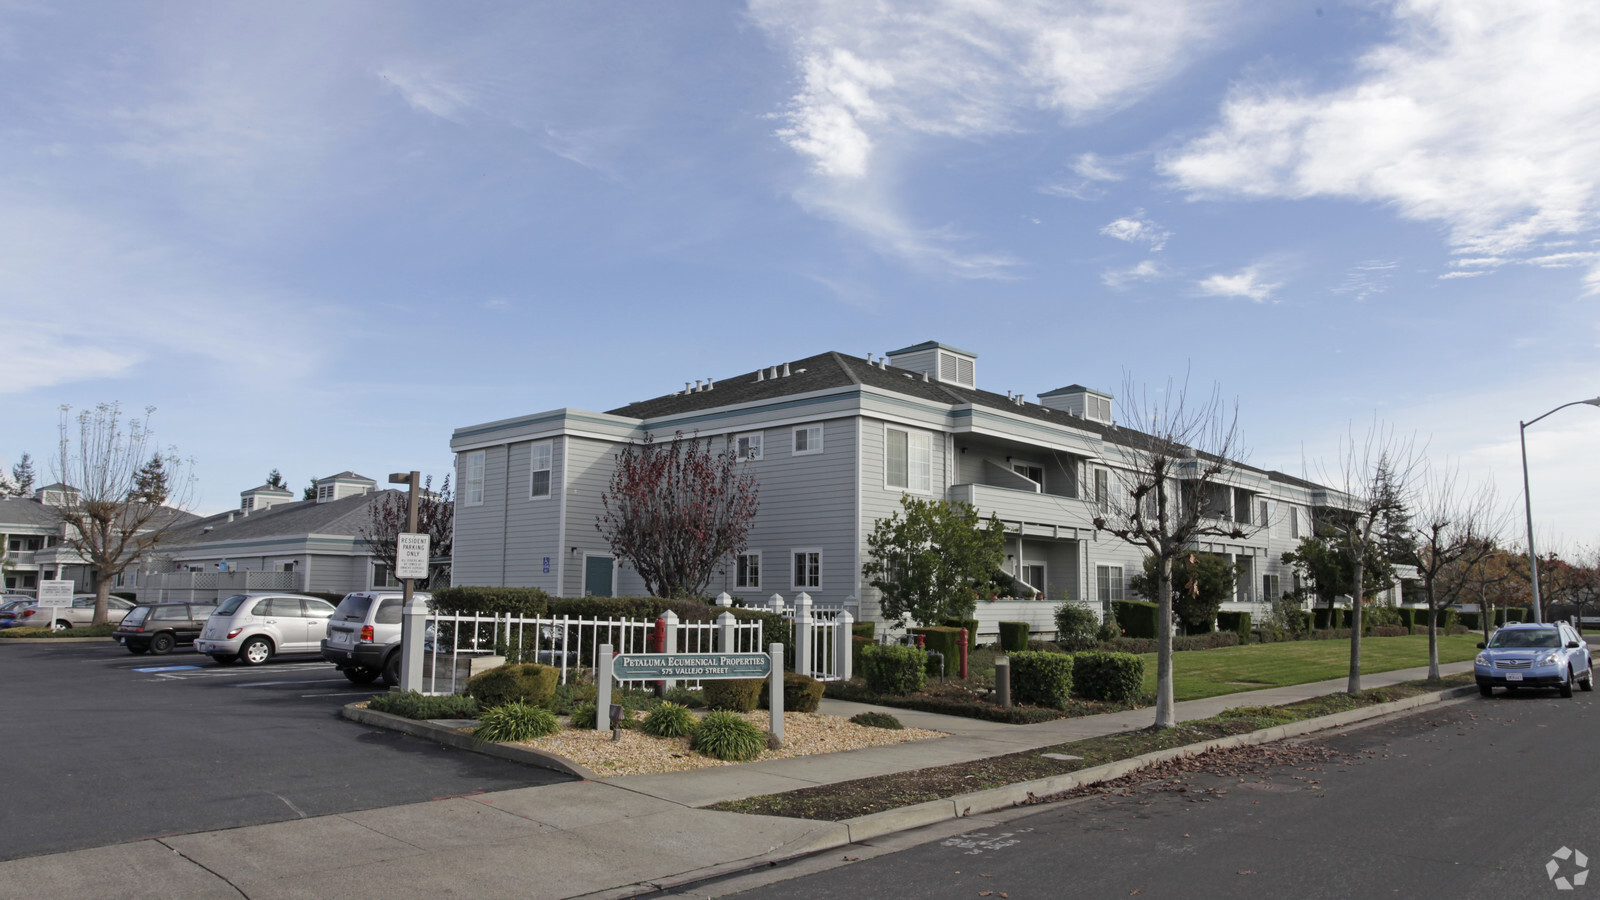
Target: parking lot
<point>101,746</point>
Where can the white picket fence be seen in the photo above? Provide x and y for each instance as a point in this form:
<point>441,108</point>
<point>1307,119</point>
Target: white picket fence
<point>821,634</point>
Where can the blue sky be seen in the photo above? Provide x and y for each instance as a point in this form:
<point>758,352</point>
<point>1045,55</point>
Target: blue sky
<point>320,236</point>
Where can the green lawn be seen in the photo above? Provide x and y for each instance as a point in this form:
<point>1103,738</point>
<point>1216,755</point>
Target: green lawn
<point>1207,673</point>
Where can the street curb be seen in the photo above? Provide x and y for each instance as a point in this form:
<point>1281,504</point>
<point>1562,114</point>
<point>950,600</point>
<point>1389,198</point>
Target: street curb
<point>452,738</point>
<point>935,811</point>
<point>38,640</point>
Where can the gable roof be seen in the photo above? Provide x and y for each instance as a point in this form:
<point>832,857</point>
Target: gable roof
<point>344,516</point>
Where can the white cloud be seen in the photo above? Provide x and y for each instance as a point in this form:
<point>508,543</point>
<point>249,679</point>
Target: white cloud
<point>498,303</point>
<point>1471,274</point>
<point>1367,279</point>
<point>1149,270</point>
<point>1482,115</point>
<point>428,89</point>
<point>1093,167</point>
<point>877,78</point>
<point>1246,283</point>
<point>1136,229</point>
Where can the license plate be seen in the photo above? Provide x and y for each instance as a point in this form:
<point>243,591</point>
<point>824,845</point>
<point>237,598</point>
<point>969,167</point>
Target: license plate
<point>341,637</point>
<point>1513,676</point>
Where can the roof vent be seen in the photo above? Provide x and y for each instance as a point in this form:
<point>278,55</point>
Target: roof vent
<point>786,370</point>
<point>708,384</point>
<point>761,374</point>
<point>924,374</point>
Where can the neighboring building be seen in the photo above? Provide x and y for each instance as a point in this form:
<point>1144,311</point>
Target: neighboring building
<point>35,551</point>
<point>835,441</point>
<point>274,542</point>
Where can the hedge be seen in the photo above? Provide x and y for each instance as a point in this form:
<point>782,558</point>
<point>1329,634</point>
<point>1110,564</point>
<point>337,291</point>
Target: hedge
<point>941,639</point>
<point>516,683</point>
<point>801,693</point>
<point>1041,678</point>
<point>1137,618</point>
<point>1112,677</point>
<point>735,694</point>
<point>1410,618</point>
<point>894,670</point>
<point>971,625</point>
<point>1211,640</point>
<point>1236,622</point>
<point>868,630</point>
<point>1473,621</point>
<point>1013,636</point>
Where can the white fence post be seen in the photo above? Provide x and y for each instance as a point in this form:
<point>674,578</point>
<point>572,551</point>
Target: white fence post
<point>725,626</point>
<point>602,700</point>
<point>411,636</point>
<point>775,603</point>
<point>669,619</point>
<point>843,663</point>
<point>802,634</point>
<point>724,600</point>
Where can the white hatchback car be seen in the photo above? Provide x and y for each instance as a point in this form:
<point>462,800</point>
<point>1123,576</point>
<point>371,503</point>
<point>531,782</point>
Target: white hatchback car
<point>253,628</point>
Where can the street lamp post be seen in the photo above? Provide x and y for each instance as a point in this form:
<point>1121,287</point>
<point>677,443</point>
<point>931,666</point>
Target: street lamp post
<point>1527,502</point>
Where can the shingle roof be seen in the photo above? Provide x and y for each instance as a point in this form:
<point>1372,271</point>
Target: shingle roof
<point>267,488</point>
<point>32,513</point>
<point>345,516</point>
<point>347,475</point>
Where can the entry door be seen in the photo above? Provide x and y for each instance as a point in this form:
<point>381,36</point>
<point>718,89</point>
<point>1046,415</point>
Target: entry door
<point>597,576</point>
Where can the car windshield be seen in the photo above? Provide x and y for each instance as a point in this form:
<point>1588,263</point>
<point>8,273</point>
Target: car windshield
<point>1525,638</point>
<point>231,605</point>
<point>138,616</point>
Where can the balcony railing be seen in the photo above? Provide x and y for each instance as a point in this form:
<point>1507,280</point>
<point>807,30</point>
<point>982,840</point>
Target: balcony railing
<point>1025,510</point>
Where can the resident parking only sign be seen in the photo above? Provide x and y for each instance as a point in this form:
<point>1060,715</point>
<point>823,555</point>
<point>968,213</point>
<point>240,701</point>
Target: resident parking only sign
<point>411,556</point>
<point>657,666</point>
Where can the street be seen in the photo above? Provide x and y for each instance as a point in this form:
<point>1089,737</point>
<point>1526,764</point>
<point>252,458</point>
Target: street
<point>1472,799</point>
<point>102,747</point>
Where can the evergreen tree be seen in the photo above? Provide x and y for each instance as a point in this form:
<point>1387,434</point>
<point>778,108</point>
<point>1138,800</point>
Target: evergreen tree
<point>275,480</point>
<point>150,483</point>
<point>22,473</point>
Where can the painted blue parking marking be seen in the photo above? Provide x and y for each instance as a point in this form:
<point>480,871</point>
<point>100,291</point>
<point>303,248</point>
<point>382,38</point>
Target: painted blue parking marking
<point>167,669</point>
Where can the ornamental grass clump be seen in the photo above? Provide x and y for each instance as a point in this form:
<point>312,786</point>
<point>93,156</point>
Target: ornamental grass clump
<point>516,722</point>
<point>669,720</point>
<point>583,715</point>
<point>877,720</point>
<point>724,735</point>
<point>413,705</point>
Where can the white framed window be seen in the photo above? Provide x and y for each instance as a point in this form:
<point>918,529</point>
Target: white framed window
<point>1102,491</point>
<point>1032,574</point>
<point>747,575</point>
<point>539,467</point>
<point>1266,514</point>
<point>383,576</point>
<point>807,440</point>
<point>807,569</point>
<point>908,460</point>
<point>1109,581</point>
<point>1269,588</point>
<point>1294,522</point>
<point>472,483</point>
<point>324,492</point>
<point>747,446</point>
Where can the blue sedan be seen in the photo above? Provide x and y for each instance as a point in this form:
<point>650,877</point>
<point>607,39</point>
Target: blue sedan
<point>1545,655</point>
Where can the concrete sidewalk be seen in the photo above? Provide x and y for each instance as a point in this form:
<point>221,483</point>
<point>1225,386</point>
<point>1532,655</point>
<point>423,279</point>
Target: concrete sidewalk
<point>612,837</point>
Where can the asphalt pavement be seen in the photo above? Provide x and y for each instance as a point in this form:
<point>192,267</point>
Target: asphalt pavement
<point>103,747</point>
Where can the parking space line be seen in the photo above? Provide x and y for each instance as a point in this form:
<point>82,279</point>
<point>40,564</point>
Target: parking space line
<point>294,681</point>
<point>343,694</point>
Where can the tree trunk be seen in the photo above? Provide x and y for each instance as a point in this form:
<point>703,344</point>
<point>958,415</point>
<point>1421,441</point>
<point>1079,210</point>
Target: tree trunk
<point>1166,715</point>
<point>102,598</point>
<point>1354,684</point>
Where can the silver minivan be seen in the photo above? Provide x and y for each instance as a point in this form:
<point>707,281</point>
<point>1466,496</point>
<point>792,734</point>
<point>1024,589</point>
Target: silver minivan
<point>253,628</point>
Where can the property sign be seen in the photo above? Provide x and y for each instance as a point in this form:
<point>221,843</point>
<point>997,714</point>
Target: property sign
<point>702,666</point>
<point>411,556</point>
<point>55,593</point>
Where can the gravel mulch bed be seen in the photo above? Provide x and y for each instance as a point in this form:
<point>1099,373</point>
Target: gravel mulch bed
<point>805,734</point>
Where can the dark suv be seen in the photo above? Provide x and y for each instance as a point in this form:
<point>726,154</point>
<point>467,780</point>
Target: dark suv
<point>159,627</point>
<point>364,636</point>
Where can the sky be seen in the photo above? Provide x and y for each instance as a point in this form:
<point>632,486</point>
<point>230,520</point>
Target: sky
<point>320,236</point>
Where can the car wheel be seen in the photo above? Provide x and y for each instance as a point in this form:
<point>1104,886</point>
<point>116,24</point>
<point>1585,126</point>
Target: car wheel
<point>361,675</point>
<point>1486,690</point>
<point>162,643</point>
<point>1588,679</point>
<point>391,670</point>
<point>138,651</point>
<point>1566,686</point>
<point>61,625</point>
<point>255,651</point>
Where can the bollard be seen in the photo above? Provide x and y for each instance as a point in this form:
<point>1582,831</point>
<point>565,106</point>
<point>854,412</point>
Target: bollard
<point>1002,681</point>
<point>964,651</point>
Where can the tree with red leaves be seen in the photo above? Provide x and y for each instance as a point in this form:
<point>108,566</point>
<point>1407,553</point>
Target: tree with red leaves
<point>677,512</point>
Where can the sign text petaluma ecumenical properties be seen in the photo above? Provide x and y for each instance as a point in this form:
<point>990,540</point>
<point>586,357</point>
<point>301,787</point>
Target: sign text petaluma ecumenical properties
<point>702,666</point>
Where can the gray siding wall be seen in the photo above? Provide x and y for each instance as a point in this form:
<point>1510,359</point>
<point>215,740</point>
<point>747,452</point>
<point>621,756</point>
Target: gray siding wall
<point>590,464</point>
<point>880,502</point>
<point>480,530</point>
<point>532,524</point>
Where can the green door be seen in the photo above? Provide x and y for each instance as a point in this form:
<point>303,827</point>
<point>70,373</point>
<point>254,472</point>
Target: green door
<point>597,576</point>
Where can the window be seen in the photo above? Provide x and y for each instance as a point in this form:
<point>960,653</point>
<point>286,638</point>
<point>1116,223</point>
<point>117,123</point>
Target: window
<point>748,446</point>
<point>1294,522</point>
<point>908,460</point>
<point>807,569</point>
<point>1269,588</point>
<point>539,479</point>
<point>1109,581</point>
<point>324,492</point>
<point>807,439</point>
<point>472,493</point>
<point>1034,474</point>
<point>1266,514</point>
<point>247,503</point>
<point>1102,491</point>
<point>383,576</point>
<point>1032,574</point>
<point>748,575</point>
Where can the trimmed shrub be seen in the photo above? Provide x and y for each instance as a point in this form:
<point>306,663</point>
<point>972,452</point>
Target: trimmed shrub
<point>1447,619</point>
<point>877,720</point>
<point>857,642</point>
<point>894,670</point>
<point>684,697</point>
<point>1042,678</point>
<point>668,720</point>
<point>521,683</point>
<point>413,705</point>
<point>941,639</point>
<point>1043,646</point>
<point>1322,618</point>
<point>1473,621</point>
<point>1013,636</point>
<point>515,722</point>
<point>1109,629</point>
<point>1112,677</point>
<point>1410,618</point>
<point>1077,627</point>
<point>1138,618</point>
<point>1301,621</point>
<point>584,714</point>
<point>971,625</point>
<point>735,694</point>
<point>868,630</point>
<point>724,735</point>
<point>1347,618</point>
<point>1236,622</point>
<point>801,693</point>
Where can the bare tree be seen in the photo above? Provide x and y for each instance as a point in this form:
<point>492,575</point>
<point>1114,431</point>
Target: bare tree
<point>1374,476</point>
<point>389,516</point>
<point>109,520</point>
<point>1454,526</point>
<point>1165,476</point>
